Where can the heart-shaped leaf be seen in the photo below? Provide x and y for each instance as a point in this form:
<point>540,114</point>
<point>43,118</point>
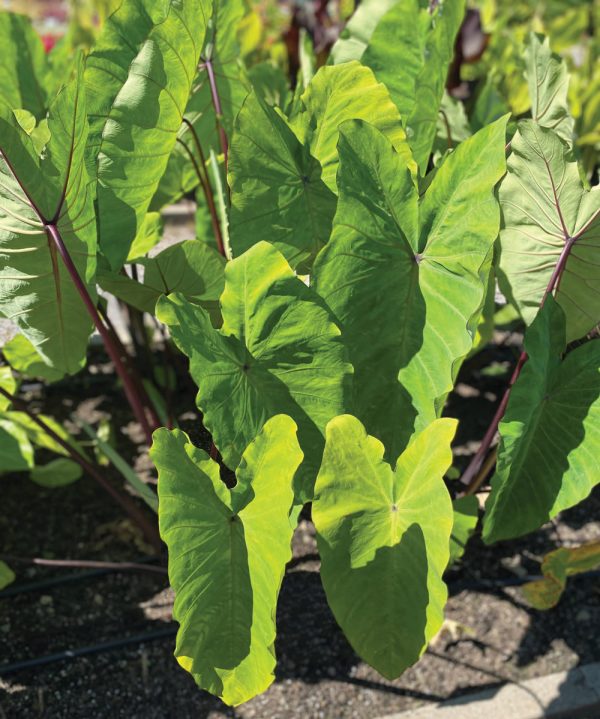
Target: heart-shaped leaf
<point>383,537</point>
<point>286,194</point>
<point>278,350</point>
<point>40,195</point>
<point>410,52</point>
<point>138,78</point>
<point>345,92</point>
<point>227,555</point>
<point>546,211</point>
<point>406,278</point>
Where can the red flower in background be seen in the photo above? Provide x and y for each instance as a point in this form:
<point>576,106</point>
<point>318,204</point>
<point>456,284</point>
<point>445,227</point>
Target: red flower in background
<point>48,41</point>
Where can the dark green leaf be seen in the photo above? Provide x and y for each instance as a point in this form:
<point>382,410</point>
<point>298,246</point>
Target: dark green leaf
<point>57,473</point>
<point>410,52</point>
<point>191,268</point>
<point>37,291</point>
<point>16,452</point>
<point>138,79</point>
<point>550,433</point>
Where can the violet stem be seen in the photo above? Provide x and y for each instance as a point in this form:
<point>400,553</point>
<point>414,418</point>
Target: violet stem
<point>128,384</point>
<point>140,389</point>
<point>214,92</point>
<point>126,503</point>
<point>470,476</point>
<point>206,187</point>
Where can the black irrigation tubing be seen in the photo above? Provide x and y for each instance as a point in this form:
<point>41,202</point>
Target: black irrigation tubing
<point>42,584</point>
<point>85,651</point>
<point>171,631</point>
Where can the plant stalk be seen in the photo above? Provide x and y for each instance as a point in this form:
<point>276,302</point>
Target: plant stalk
<point>206,186</point>
<point>470,475</point>
<point>214,92</point>
<point>128,383</point>
<point>149,529</point>
<point>140,389</point>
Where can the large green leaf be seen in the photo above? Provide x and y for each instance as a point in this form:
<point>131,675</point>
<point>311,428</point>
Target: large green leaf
<point>221,47</point>
<point>383,537</point>
<point>355,37</point>
<point>407,280</point>
<point>138,78</point>
<point>410,51</point>
<point>227,555</point>
<point>545,206</point>
<point>191,268</point>
<point>278,351</point>
<point>276,183</point>
<point>345,92</point>
<point>37,292</point>
<point>548,458</point>
<point>548,80</point>
<point>22,65</point>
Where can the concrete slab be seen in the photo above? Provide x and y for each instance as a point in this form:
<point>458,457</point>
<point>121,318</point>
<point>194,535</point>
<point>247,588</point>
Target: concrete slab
<point>574,694</point>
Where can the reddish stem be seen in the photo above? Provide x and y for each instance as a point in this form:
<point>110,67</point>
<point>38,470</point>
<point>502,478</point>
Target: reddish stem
<point>140,389</point>
<point>214,92</point>
<point>470,476</point>
<point>206,186</point>
<point>471,471</point>
<point>126,503</point>
<point>128,384</point>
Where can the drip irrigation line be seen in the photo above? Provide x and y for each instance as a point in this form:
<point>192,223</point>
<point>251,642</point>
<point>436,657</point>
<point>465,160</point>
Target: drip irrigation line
<point>168,632</point>
<point>85,651</point>
<point>42,584</point>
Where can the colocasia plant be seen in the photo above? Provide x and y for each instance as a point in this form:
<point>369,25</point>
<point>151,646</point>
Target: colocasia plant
<point>352,234</point>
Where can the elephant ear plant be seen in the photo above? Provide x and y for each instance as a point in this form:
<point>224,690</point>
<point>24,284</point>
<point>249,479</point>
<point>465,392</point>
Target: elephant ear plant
<point>346,261</point>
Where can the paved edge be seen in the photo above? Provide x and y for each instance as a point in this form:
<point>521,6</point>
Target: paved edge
<point>571,694</point>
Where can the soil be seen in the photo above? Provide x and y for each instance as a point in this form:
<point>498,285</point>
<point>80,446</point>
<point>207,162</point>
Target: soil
<point>491,635</point>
